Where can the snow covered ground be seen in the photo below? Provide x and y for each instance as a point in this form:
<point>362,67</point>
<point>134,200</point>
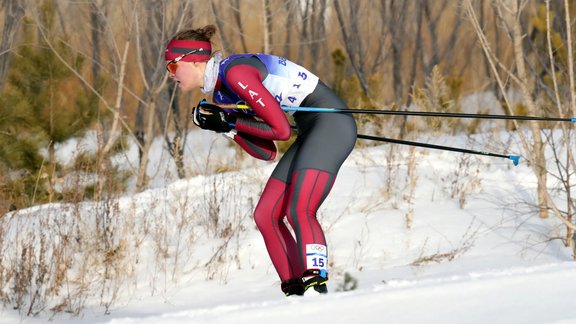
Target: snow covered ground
<point>459,247</point>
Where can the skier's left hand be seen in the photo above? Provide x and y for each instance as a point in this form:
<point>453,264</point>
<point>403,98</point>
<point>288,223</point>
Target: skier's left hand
<point>211,117</point>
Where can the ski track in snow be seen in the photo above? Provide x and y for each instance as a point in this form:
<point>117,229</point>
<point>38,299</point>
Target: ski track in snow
<point>512,273</point>
<point>452,299</point>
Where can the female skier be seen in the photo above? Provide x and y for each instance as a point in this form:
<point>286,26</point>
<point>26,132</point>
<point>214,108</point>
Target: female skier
<point>306,172</point>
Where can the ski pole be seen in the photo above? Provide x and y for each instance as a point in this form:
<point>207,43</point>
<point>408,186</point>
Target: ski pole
<point>411,113</point>
<point>515,158</point>
<point>426,114</point>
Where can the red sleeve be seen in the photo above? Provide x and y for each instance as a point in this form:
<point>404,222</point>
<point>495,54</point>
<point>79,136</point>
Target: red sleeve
<point>246,81</point>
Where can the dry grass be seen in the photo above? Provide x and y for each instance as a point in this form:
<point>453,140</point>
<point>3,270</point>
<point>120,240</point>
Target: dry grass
<point>61,257</point>
<point>463,246</point>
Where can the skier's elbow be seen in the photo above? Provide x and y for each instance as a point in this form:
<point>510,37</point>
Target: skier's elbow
<point>283,133</point>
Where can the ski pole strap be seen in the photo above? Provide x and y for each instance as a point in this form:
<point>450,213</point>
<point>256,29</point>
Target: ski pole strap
<point>514,158</point>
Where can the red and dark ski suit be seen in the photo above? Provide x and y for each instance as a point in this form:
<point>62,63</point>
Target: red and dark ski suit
<point>306,172</point>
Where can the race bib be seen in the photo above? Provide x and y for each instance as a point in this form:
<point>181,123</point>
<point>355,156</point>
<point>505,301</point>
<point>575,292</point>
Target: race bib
<point>316,256</point>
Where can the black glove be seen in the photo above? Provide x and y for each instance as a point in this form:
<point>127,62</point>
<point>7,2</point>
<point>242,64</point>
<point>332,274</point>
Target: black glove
<point>211,117</point>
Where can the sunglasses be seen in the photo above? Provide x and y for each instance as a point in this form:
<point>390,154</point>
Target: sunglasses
<point>172,66</point>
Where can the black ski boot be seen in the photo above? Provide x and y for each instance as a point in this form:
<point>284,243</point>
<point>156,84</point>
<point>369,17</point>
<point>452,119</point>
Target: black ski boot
<point>293,287</point>
<point>317,279</point>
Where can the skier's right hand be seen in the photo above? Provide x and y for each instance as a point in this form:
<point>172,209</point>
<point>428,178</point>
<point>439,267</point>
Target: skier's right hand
<point>211,117</point>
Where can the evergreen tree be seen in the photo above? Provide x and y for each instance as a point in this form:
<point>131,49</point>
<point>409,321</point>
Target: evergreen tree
<point>41,106</point>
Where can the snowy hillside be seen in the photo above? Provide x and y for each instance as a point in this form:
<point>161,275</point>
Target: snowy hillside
<point>459,246</point>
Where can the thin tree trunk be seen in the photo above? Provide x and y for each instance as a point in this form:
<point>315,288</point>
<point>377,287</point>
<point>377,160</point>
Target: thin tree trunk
<point>142,178</point>
<point>177,144</point>
<point>226,44</point>
<point>450,49</point>
<point>538,156</point>
<point>304,34</point>
<point>413,70</point>
<point>418,51</point>
<point>114,131</point>
<point>572,80</point>
<point>397,31</point>
<point>353,43</point>
<point>267,23</point>
<point>318,34</point>
<point>238,20</point>
<point>13,13</point>
<point>290,12</point>
<point>563,111</point>
<point>508,14</point>
<point>96,23</point>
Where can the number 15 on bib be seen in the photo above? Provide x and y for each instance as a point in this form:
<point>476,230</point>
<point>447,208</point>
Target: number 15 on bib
<point>316,256</point>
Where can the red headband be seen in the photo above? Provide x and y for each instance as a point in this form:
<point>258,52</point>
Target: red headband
<point>179,47</point>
